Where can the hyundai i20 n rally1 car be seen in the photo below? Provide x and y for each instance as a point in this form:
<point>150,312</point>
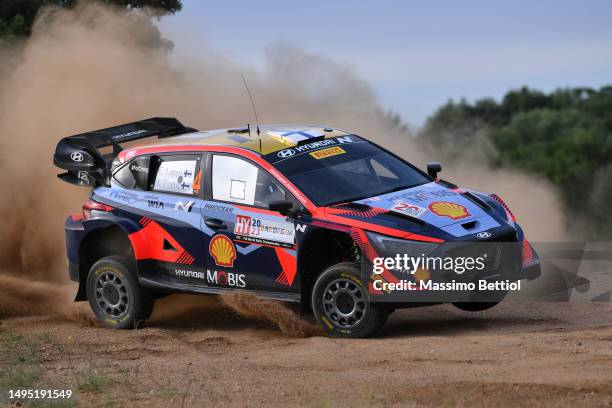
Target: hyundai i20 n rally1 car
<point>301,214</point>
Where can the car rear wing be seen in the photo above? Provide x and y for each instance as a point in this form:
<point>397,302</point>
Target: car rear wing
<point>86,165</point>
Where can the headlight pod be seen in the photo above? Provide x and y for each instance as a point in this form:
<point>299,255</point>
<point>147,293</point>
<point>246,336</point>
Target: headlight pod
<point>507,213</point>
<point>389,246</point>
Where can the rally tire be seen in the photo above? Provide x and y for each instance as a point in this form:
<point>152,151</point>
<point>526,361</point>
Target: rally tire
<point>340,303</point>
<point>115,295</point>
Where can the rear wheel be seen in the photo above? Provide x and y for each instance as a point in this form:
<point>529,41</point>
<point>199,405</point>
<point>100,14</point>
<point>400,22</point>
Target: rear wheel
<point>341,305</point>
<point>115,295</point>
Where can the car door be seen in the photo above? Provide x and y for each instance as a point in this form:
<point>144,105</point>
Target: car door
<point>250,246</point>
<point>171,237</point>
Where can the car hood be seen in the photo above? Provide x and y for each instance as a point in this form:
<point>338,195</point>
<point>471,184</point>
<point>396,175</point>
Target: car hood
<point>424,208</point>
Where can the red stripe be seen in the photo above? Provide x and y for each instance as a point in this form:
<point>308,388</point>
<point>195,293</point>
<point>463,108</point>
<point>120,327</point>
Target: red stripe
<point>383,230</point>
<point>289,264</point>
<point>148,243</point>
<point>258,210</point>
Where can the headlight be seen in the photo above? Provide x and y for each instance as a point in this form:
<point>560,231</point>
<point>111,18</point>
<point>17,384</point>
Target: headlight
<point>389,246</point>
<point>509,215</point>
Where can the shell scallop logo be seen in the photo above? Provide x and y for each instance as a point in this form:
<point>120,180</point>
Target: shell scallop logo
<point>222,250</point>
<point>421,275</point>
<point>450,210</point>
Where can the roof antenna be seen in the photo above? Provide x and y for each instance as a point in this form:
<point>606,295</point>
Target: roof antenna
<point>254,110</point>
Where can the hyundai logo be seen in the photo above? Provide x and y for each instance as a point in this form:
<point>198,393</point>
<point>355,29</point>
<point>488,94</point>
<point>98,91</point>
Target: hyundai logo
<point>483,235</point>
<point>76,156</point>
<point>286,153</point>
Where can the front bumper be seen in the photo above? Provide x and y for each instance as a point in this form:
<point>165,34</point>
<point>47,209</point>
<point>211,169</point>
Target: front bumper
<point>505,263</point>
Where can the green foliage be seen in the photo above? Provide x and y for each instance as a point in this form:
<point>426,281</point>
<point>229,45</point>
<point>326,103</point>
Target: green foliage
<point>20,357</point>
<point>600,199</point>
<point>169,6</point>
<point>93,381</point>
<point>565,136</point>
<point>17,16</point>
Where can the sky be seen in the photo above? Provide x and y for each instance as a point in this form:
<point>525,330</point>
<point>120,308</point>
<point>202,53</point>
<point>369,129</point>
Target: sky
<point>416,55</point>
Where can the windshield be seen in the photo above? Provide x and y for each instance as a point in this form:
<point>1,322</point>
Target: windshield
<point>344,169</point>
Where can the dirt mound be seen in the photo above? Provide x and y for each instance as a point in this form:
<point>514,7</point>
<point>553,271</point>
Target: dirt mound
<point>287,320</point>
<point>21,297</point>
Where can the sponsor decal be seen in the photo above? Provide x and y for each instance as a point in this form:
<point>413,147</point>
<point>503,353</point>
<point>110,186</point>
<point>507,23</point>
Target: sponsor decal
<point>218,208</point>
<point>129,134</point>
<point>264,231</point>
<point>222,250</point>
<point>180,205</point>
<point>123,195</point>
<point>77,157</point>
<point>243,225</point>
<point>214,277</point>
<point>330,151</point>
<point>451,210</point>
<point>421,275</point>
<point>483,235</point>
<point>421,195</point>
<point>344,139</point>
<point>176,176</point>
<point>301,227</point>
<point>223,278</point>
<point>155,204</point>
<point>197,183</point>
<point>82,175</point>
<point>140,169</point>
<point>409,209</point>
<point>286,153</point>
<point>297,193</point>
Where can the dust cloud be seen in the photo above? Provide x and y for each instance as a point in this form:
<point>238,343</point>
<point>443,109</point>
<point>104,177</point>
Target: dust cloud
<point>95,66</point>
<point>272,312</point>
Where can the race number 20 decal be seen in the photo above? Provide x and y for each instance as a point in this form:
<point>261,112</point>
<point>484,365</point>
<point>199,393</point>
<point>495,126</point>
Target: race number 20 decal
<point>264,231</point>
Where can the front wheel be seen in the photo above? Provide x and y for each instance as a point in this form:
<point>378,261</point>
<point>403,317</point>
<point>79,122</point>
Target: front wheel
<point>341,305</point>
<point>114,294</point>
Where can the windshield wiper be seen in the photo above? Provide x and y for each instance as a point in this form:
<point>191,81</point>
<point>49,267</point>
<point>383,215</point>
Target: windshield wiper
<point>397,189</point>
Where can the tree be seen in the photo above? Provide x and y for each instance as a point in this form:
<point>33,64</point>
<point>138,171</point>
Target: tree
<point>566,146</point>
<point>599,203</point>
<point>17,16</point>
<point>565,136</point>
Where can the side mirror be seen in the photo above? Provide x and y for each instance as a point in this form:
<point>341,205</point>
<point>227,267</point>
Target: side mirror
<point>282,206</point>
<point>433,168</point>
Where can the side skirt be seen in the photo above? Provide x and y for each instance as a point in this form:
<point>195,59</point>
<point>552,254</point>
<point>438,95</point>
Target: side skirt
<point>176,287</point>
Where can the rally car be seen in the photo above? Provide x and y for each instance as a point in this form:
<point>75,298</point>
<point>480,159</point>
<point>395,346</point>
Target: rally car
<point>292,213</point>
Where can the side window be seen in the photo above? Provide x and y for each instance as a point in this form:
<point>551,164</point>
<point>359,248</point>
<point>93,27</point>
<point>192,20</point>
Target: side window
<point>177,174</point>
<point>267,190</point>
<point>238,181</point>
<point>134,175</point>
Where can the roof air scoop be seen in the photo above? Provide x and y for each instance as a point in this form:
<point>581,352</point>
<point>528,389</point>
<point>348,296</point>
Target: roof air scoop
<point>297,136</point>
